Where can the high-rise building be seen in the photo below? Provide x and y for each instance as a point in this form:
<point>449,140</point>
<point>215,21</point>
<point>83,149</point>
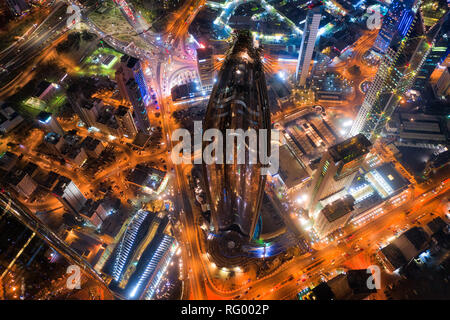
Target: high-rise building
<point>124,119</point>
<point>399,67</point>
<point>93,147</point>
<point>49,123</point>
<point>133,87</point>
<point>22,182</point>
<point>397,17</point>
<point>70,196</point>
<point>205,65</point>
<point>53,143</point>
<point>336,170</point>
<point>87,111</point>
<point>238,101</point>
<point>437,55</point>
<point>308,41</point>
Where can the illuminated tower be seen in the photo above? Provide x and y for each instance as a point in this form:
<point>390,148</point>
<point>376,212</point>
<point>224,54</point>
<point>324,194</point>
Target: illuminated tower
<point>397,17</point>
<point>308,41</point>
<point>437,55</point>
<point>133,87</point>
<point>205,65</point>
<point>238,101</point>
<point>399,67</point>
<point>336,170</point>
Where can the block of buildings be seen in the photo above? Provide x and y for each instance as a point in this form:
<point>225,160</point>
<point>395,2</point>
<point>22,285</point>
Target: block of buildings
<point>93,147</point>
<point>9,118</point>
<point>403,249</point>
<point>351,285</point>
<point>334,216</point>
<point>151,180</point>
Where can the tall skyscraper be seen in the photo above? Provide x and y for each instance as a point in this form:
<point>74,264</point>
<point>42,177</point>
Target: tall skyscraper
<point>336,170</point>
<point>70,196</point>
<point>133,87</point>
<point>125,121</point>
<point>308,41</point>
<point>437,55</point>
<point>399,67</point>
<point>442,87</point>
<point>238,101</point>
<point>205,65</point>
<point>399,12</point>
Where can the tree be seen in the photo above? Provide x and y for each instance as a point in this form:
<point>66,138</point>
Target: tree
<point>87,36</point>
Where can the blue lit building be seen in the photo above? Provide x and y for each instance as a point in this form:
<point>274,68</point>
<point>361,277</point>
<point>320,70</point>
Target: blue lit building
<point>400,65</point>
<point>133,87</point>
<point>398,18</point>
<point>142,256</point>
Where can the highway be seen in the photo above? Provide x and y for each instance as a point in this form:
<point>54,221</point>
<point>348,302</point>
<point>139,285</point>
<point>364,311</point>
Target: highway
<point>42,231</point>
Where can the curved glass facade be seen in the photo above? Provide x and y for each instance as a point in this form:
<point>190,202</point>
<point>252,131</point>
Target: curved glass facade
<point>238,101</point>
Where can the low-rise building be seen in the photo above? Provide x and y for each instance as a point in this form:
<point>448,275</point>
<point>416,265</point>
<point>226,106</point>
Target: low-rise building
<point>351,285</point>
<point>403,249</point>
<point>9,118</point>
<point>334,216</point>
<point>292,171</point>
<point>386,180</point>
<point>92,146</point>
<point>418,130</point>
<point>151,180</point>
